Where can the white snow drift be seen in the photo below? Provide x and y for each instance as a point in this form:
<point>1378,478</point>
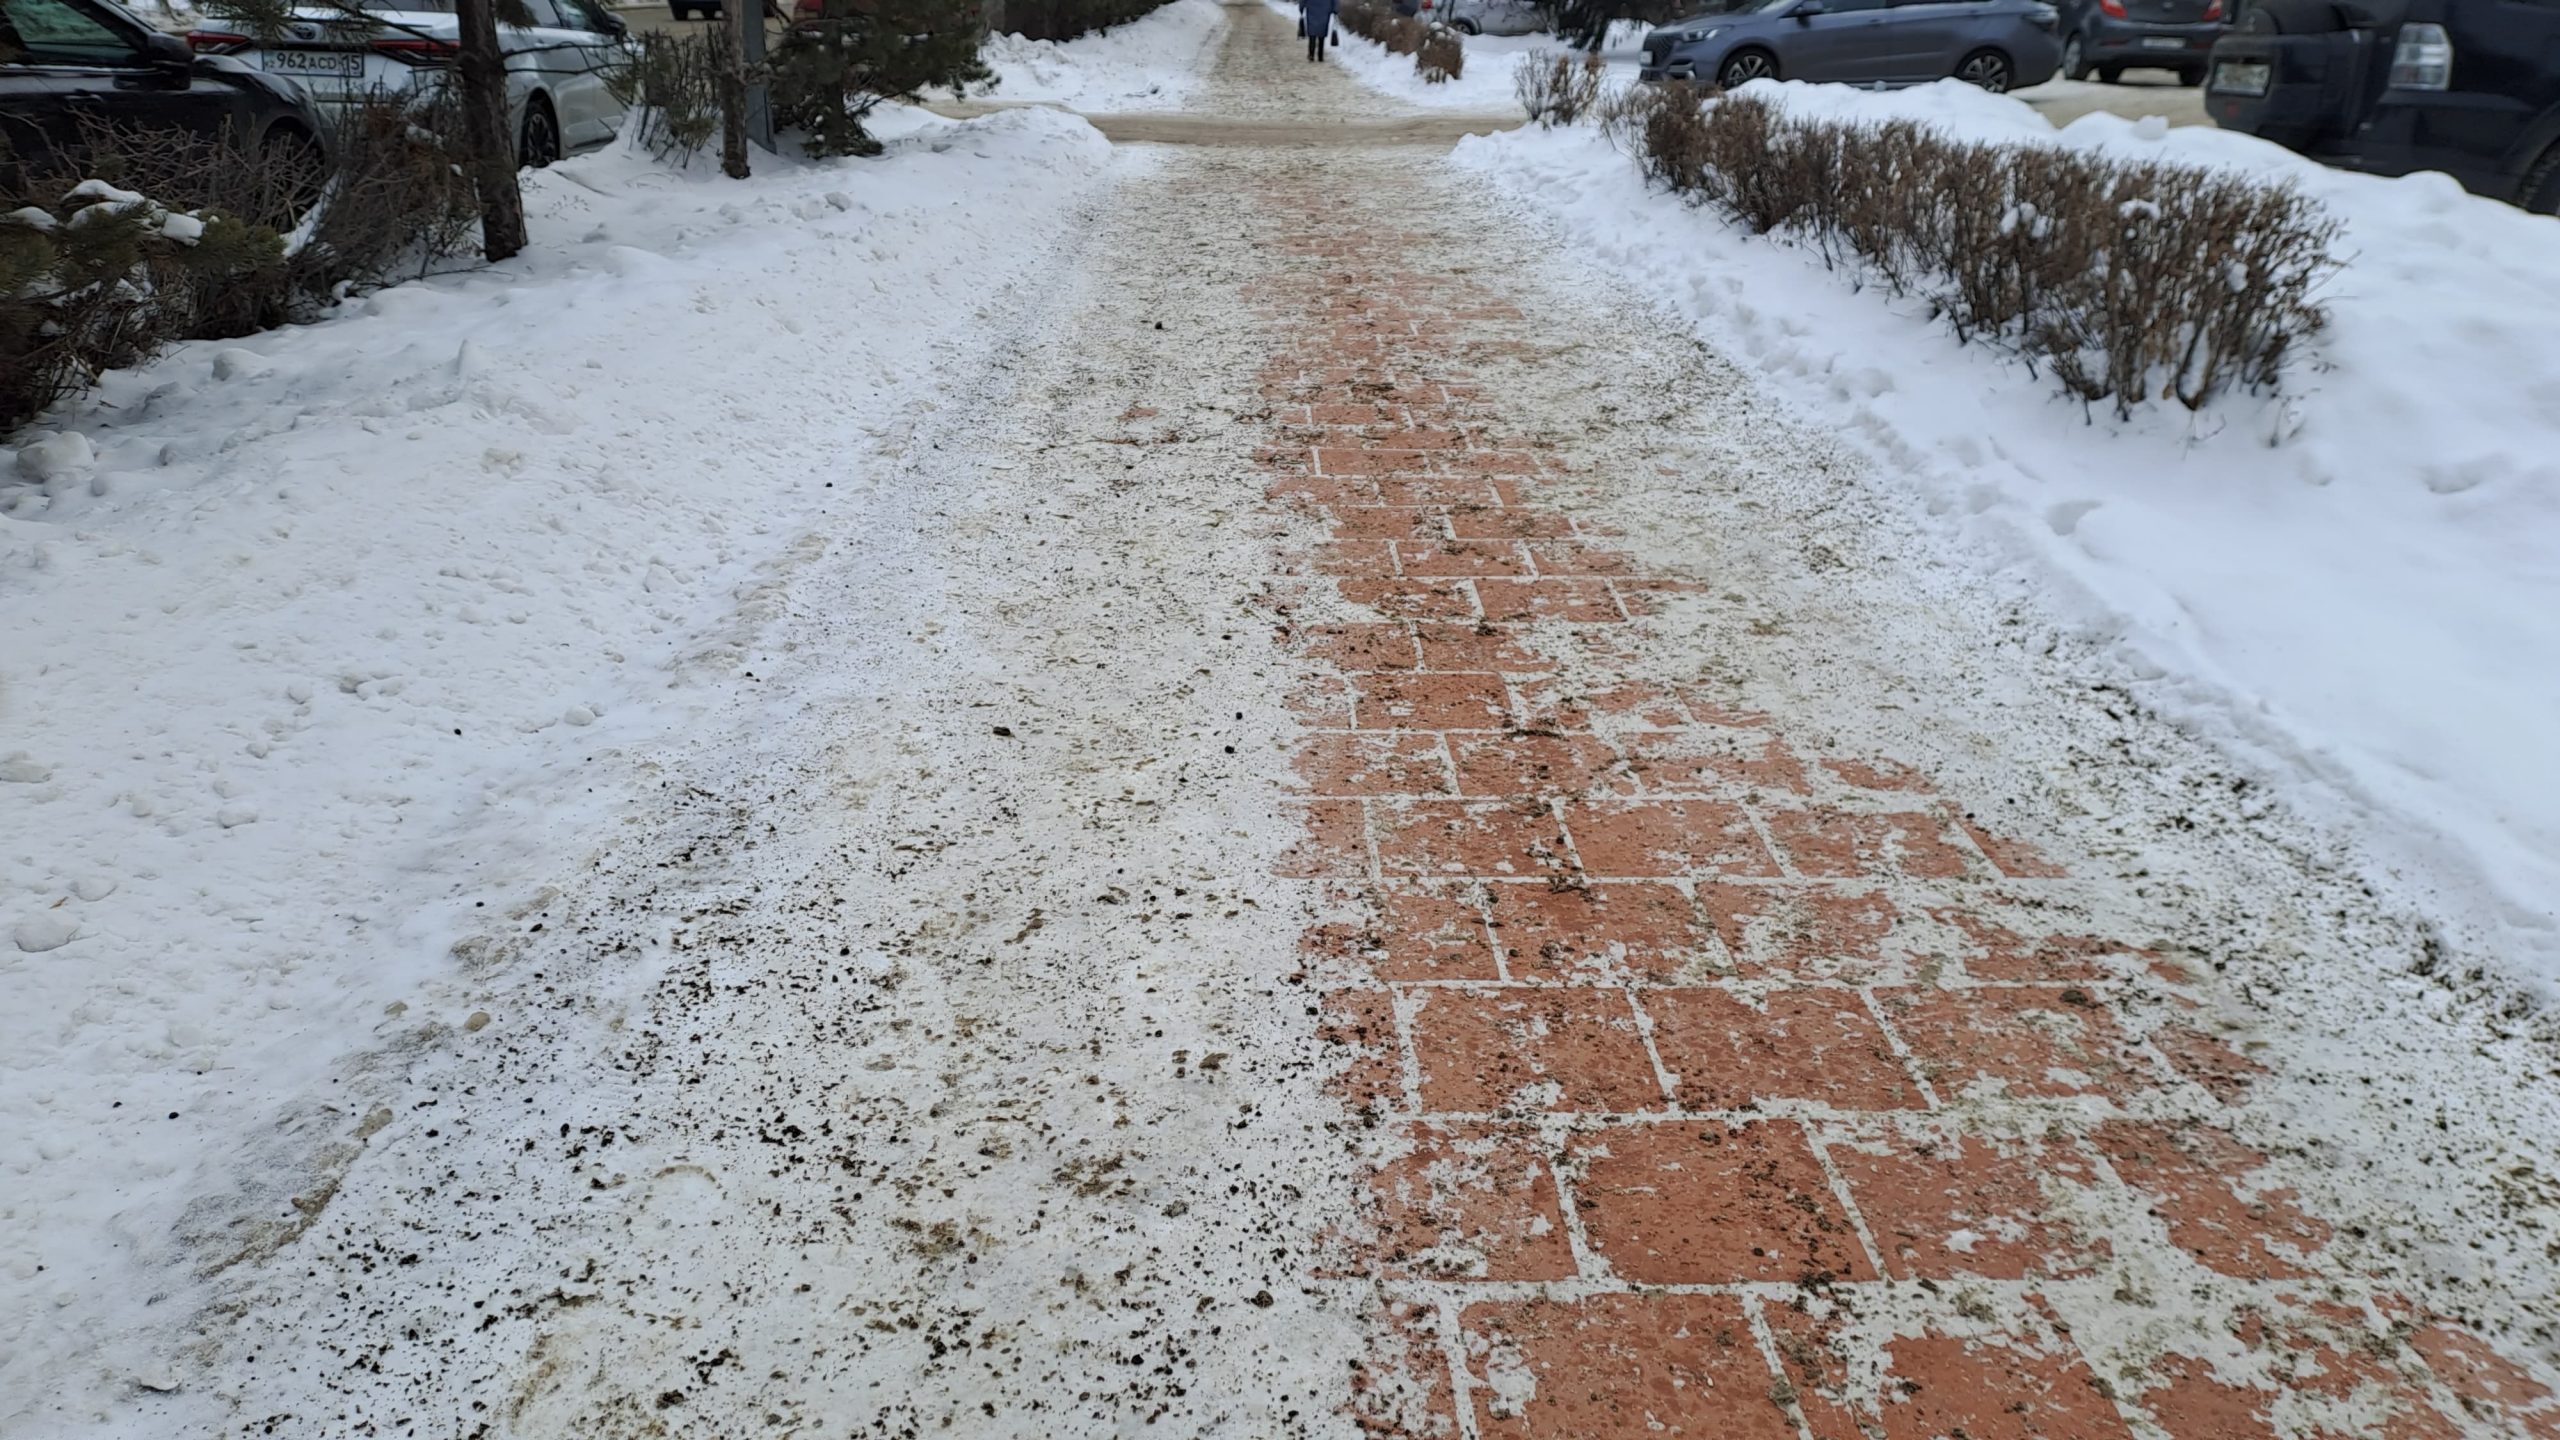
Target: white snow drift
<point>2350,585</point>
<point>316,637</point>
<point>1150,63</point>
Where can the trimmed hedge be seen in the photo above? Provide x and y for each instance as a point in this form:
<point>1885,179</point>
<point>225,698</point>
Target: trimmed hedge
<point>2127,280</point>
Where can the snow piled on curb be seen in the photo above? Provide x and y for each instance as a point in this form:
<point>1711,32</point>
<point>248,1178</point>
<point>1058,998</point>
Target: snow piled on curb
<point>2350,586</point>
<point>1151,63</point>
<point>322,637</point>
<point>1488,85</point>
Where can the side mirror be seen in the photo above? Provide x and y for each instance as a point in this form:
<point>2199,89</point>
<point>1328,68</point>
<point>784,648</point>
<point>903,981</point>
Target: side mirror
<point>613,25</point>
<point>1809,9</point>
<point>170,57</point>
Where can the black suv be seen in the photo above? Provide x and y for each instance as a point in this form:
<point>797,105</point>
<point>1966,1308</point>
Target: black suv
<point>2109,37</point>
<point>66,64</point>
<point>2468,87</point>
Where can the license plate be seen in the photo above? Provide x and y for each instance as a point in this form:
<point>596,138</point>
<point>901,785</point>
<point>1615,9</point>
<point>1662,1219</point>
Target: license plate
<point>342,64</point>
<point>2163,42</point>
<point>2241,77</point>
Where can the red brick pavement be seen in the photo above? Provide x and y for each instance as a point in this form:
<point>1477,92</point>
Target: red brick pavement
<point>1717,1088</point>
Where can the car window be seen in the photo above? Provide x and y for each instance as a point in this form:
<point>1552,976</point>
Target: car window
<point>60,33</point>
<point>1843,7</point>
<point>581,15</point>
<point>544,16</point>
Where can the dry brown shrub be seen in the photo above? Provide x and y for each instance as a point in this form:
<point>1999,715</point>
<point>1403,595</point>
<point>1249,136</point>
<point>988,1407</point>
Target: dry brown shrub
<point>1556,88</point>
<point>2129,281</point>
<point>1441,56</point>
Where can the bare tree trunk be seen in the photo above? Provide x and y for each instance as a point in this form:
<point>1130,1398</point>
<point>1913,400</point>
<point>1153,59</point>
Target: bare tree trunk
<point>733,86</point>
<point>484,130</point>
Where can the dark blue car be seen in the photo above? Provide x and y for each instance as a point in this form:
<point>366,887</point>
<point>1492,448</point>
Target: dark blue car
<point>1999,45</point>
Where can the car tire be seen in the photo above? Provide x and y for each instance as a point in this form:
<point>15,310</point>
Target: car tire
<point>2075,57</point>
<point>1744,66</point>
<point>538,138</point>
<point>2110,74</point>
<point>1466,27</point>
<point>2191,76</point>
<point>1989,70</point>
<point>2540,192</point>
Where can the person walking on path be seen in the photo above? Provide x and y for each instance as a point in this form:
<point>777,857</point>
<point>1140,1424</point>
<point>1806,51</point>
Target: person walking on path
<point>1315,20</point>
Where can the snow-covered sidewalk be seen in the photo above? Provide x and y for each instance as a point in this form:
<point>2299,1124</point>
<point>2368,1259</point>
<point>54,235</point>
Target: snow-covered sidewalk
<point>2348,587</point>
<point>326,644</point>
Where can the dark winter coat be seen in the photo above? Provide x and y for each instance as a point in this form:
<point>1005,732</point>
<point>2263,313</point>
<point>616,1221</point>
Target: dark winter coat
<point>1318,15</point>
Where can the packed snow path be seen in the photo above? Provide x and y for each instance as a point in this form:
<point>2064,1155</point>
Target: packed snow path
<point>1369,841</point>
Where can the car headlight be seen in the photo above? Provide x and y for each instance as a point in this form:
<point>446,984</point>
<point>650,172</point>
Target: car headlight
<point>1703,32</point>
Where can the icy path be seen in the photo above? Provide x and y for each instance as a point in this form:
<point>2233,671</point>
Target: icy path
<point>954,1038</point>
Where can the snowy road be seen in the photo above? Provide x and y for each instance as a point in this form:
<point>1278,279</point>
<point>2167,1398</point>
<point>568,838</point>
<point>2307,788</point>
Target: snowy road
<point>1021,998</point>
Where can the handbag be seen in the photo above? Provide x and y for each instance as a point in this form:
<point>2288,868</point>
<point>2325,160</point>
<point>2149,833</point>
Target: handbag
<point>1334,38</point>
<point>1302,25</point>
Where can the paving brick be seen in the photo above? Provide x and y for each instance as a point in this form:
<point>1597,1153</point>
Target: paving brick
<point>1610,1366</point>
<point>1728,1053</point>
<point>2031,1040</point>
<point>1666,837</point>
<point>1494,523</point>
<point>1471,1201</point>
<point>1412,934</point>
<point>1377,646</point>
<point>1815,930</point>
<point>2208,1060</point>
<point>1940,1386</point>
<point>1531,1049</point>
<point>1587,934</point>
<point>1565,557</point>
<point>2490,1388</point>
<point>1460,557</point>
<point>1579,601</point>
<point>1445,838</point>
<point>1334,763</point>
<point>2201,1182</point>
<point>1948,1205</point>
<point>1411,599</point>
<point>2016,858</point>
<point>1334,844</point>
<point>1429,700</point>
<point>1849,844</point>
<point>1518,764</point>
<point>1887,775</point>
<point>1366,1058</point>
<point>1712,761</point>
<point>1695,1203</point>
<point>1480,647</point>
<point>1387,522</point>
<point>1995,952</point>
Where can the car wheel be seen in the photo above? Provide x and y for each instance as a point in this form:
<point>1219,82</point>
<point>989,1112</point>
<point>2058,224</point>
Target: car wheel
<point>2540,192</point>
<point>2191,76</point>
<point>538,143</point>
<point>2110,74</point>
<point>1466,27</point>
<point>1744,66</point>
<point>2075,59</point>
<point>1988,69</point>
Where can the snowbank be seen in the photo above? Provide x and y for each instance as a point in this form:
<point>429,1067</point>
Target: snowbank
<point>319,640</point>
<point>1484,87</point>
<point>2350,587</point>
<point>1152,63</point>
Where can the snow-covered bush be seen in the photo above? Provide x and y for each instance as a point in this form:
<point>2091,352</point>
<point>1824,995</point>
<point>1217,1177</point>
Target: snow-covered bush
<point>1067,19</point>
<point>1557,88</point>
<point>166,236</point>
<point>2129,281</point>
<point>1440,55</point>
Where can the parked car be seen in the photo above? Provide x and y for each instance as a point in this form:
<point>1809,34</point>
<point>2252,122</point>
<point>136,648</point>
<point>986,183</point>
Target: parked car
<point>1487,17</point>
<point>2109,37</point>
<point>2468,87</point>
<point>63,61</point>
<point>1999,45</point>
<point>558,98</point>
